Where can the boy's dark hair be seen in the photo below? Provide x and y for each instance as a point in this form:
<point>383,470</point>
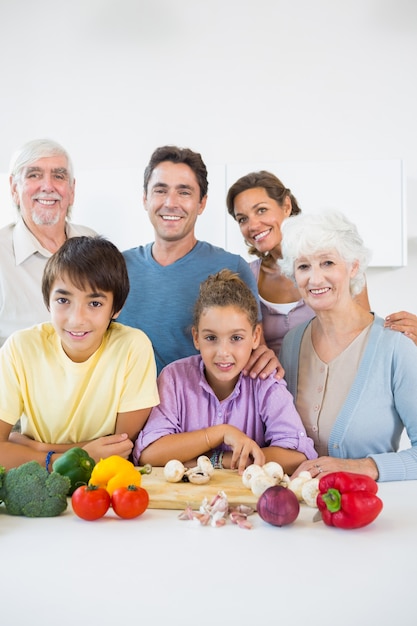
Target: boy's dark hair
<point>89,261</point>
<point>226,288</point>
<point>178,155</point>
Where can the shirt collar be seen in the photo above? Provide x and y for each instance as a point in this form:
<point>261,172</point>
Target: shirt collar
<point>25,243</point>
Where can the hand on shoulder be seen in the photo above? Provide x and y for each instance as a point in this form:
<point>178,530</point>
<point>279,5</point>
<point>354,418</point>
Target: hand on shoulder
<point>403,322</point>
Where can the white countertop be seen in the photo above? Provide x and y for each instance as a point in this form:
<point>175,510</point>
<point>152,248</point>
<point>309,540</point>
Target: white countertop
<point>159,570</point>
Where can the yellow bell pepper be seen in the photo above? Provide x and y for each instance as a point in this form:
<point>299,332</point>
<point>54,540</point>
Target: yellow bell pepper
<point>114,472</point>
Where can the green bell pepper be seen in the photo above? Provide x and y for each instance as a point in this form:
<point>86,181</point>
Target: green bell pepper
<point>77,465</point>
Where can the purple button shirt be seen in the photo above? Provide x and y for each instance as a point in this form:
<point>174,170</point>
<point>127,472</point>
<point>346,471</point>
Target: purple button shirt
<point>263,409</point>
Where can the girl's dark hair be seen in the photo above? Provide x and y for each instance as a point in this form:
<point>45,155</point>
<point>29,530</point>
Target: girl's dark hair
<point>274,188</point>
<point>226,289</point>
<point>89,261</point>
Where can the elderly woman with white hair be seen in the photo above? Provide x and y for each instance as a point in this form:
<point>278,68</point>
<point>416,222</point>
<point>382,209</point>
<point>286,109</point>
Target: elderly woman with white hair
<point>354,382</point>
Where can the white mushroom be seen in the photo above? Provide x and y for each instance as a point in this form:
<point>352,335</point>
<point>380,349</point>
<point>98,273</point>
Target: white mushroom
<point>174,471</point>
<point>205,465</point>
<point>274,470</point>
<point>250,472</point>
<point>197,477</point>
<point>309,491</point>
<point>260,483</point>
<point>285,481</point>
<point>296,484</point>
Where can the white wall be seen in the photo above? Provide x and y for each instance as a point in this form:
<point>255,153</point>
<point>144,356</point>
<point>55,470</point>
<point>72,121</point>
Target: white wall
<point>265,81</point>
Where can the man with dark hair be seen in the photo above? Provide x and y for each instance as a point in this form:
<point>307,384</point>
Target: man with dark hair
<point>165,275</point>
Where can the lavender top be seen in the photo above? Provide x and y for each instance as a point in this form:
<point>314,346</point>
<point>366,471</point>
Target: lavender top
<point>275,325</point>
<point>263,409</point>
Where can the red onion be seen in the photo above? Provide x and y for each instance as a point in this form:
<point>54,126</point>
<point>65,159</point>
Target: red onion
<point>278,506</point>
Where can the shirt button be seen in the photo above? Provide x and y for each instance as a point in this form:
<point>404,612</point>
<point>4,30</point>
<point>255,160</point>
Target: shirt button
<point>316,407</point>
<point>320,389</point>
<point>314,429</point>
<point>302,434</point>
<point>335,445</point>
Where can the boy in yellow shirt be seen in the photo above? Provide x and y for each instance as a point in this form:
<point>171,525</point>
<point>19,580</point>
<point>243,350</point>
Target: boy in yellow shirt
<point>81,379</point>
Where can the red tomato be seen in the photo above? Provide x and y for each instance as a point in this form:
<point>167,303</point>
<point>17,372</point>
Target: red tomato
<point>90,502</point>
<point>129,502</point>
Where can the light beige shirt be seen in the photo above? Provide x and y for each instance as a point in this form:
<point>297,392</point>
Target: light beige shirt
<point>323,387</point>
<point>22,261</point>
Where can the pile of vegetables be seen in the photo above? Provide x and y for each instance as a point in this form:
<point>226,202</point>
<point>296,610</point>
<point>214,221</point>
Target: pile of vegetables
<point>114,482</point>
<point>344,499</point>
<point>32,491</point>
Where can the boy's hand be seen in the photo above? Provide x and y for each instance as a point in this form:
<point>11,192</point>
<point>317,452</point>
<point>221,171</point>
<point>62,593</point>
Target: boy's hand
<point>103,447</point>
<point>263,361</point>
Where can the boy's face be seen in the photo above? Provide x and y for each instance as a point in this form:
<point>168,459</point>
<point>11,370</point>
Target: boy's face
<point>225,339</point>
<point>80,317</point>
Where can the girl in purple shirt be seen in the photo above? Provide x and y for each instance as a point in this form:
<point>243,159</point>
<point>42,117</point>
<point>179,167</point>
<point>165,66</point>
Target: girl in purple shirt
<point>206,404</point>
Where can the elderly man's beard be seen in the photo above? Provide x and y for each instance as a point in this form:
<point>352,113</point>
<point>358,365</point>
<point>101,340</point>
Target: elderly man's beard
<point>45,217</point>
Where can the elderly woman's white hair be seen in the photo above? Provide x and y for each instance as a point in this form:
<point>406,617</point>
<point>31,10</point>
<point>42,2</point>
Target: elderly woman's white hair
<point>312,233</point>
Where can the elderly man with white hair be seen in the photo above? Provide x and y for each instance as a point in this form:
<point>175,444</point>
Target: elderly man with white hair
<point>42,185</point>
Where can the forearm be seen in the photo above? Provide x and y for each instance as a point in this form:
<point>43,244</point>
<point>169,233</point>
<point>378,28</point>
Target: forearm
<point>288,459</point>
<point>14,454</point>
<point>40,446</point>
<point>183,446</point>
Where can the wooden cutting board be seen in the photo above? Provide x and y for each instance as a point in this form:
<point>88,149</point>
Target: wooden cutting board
<point>165,495</point>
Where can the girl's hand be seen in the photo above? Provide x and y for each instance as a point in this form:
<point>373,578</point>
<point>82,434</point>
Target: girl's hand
<point>244,450</point>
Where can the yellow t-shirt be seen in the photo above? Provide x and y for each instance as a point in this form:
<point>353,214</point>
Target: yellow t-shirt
<point>59,401</point>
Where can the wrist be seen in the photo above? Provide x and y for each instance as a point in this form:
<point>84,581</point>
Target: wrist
<point>48,461</point>
<point>217,459</point>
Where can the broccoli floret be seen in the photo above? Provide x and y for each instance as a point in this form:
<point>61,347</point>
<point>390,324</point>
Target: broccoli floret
<point>30,490</point>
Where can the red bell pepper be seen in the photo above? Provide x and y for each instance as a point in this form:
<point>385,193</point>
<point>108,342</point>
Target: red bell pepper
<point>348,500</point>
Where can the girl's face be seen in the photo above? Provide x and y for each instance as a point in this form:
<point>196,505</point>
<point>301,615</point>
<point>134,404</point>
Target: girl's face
<point>225,339</point>
<point>260,218</point>
<point>79,317</point>
<point>323,279</point>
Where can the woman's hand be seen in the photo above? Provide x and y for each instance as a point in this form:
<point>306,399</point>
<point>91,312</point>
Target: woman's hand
<point>244,450</point>
<point>263,361</point>
<point>103,447</point>
<point>403,322</point>
<point>327,464</point>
